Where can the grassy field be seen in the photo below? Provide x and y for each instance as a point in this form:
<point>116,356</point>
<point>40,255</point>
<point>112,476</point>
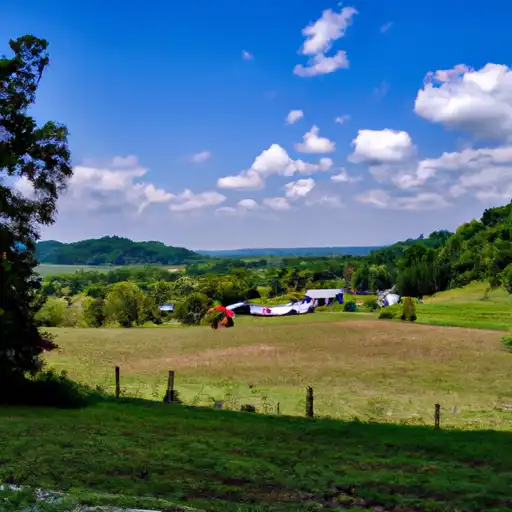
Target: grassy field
<point>358,367</point>
<point>471,306</point>
<point>149,455</point>
<point>48,269</point>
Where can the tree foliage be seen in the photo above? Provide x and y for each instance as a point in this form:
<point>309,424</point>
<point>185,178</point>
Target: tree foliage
<point>112,250</point>
<point>38,156</point>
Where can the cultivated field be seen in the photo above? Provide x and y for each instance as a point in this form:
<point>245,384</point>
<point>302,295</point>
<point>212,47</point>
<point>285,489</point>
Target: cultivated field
<point>358,367</point>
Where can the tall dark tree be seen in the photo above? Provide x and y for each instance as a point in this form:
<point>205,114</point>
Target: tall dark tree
<point>37,157</point>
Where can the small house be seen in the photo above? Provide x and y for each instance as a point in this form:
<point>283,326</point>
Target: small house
<point>325,297</point>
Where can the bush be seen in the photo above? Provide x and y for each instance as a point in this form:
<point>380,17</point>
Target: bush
<point>408,310</point>
<point>386,314</point>
<point>372,305</point>
<point>53,313</point>
<point>507,341</point>
<point>48,389</point>
<point>390,312</point>
<point>350,306</point>
<point>192,310</point>
<point>506,278</point>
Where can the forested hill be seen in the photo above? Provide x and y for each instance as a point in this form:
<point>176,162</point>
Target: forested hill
<point>112,250</point>
<point>293,251</point>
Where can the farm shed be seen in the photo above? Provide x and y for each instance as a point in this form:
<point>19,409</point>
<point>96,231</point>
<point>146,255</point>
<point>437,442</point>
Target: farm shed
<point>326,296</point>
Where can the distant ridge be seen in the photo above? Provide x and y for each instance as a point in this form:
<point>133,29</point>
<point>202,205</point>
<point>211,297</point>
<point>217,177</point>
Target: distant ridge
<point>112,250</point>
<point>293,251</point>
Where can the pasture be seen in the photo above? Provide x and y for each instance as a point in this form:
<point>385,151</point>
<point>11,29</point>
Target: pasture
<point>46,269</point>
<point>360,367</point>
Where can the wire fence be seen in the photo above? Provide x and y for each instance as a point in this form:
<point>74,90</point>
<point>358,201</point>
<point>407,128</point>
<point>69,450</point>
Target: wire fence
<point>259,402</point>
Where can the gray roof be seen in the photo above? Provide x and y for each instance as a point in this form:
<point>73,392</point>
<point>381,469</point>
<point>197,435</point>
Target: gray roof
<point>327,293</point>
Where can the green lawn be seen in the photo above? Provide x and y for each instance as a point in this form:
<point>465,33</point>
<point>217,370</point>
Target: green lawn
<point>470,306</point>
<point>154,455</point>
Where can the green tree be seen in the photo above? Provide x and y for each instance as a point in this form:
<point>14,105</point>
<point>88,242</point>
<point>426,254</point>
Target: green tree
<point>94,312</point>
<point>506,278</point>
<point>126,304</point>
<point>192,310</point>
<point>39,156</point>
<point>53,313</point>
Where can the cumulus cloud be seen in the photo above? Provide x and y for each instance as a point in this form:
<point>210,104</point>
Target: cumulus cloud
<point>319,38</point>
<point>344,177</point>
<point>384,200</point>
<point>386,146</point>
<point>478,102</point>
<point>293,116</point>
<point>272,161</point>
<point>187,201</point>
<point>247,55</point>
<point>117,186</point>
<point>299,188</point>
<point>200,157</point>
<point>313,143</point>
<point>242,207</point>
<point>277,203</point>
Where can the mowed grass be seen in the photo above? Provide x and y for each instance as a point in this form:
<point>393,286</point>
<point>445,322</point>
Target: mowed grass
<point>152,455</point>
<point>470,306</point>
<point>359,367</point>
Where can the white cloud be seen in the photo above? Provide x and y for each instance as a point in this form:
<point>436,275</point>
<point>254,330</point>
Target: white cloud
<point>476,166</point>
<point>116,187</point>
<point>342,119</point>
<point>344,177</point>
<point>111,187</point>
<point>384,28</point>
<point>328,201</point>
<point>299,188</point>
<point>381,146</point>
<point>384,200</point>
<point>274,160</point>
<point>248,204</point>
<point>319,38</point>
<point>478,102</point>
<point>312,143</point>
<point>277,203</point>
<point>293,116</point>
<point>242,207</point>
<point>187,201</point>
<point>201,157</point>
<point>247,55</point>
<point>321,65</point>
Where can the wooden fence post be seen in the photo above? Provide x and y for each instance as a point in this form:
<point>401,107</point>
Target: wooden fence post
<point>437,417</point>
<point>309,402</point>
<point>278,408</point>
<point>118,382</point>
<point>170,387</point>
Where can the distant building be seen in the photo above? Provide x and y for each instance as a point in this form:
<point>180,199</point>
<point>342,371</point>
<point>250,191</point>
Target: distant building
<point>326,296</point>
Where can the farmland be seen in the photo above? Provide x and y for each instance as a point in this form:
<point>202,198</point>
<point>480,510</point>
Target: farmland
<point>359,367</point>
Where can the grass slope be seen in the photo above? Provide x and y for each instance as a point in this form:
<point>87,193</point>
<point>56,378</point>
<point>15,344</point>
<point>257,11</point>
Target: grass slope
<point>470,306</point>
<point>226,461</point>
<point>358,366</point>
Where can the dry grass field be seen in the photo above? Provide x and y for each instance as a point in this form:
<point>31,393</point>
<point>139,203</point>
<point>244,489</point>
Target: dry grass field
<point>358,367</point>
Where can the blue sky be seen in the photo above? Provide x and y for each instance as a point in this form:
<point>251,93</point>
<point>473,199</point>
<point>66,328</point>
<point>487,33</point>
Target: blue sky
<point>178,117</point>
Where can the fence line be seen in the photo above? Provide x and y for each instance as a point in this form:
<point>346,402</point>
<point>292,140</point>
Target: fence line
<point>171,397</point>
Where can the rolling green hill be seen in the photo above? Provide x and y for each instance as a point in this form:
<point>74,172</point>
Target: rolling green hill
<point>112,250</point>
